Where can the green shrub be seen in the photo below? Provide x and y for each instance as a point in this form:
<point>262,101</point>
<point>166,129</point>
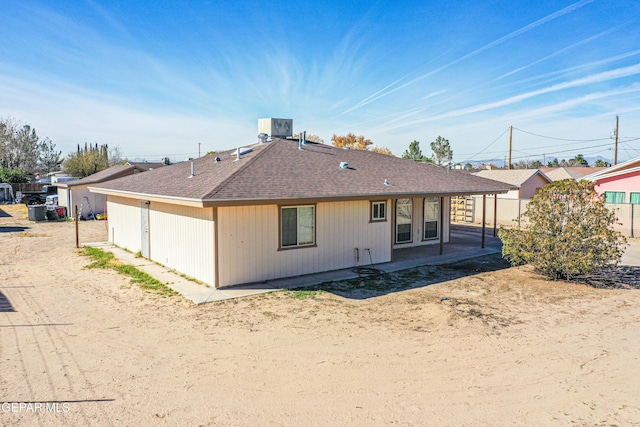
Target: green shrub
<point>569,233</point>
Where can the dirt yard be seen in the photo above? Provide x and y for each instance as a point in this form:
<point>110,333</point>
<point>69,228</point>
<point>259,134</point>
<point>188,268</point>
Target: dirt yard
<point>500,347</point>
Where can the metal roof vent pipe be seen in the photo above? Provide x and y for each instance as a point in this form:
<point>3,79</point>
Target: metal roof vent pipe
<point>344,165</point>
<point>300,141</point>
<point>237,154</point>
<point>193,170</point>
<point>304,137</point>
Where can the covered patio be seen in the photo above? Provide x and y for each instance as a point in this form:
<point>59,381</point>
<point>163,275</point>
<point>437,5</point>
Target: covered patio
<point>465,242</point>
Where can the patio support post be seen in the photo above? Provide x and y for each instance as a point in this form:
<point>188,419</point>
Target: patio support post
<point>484,216</point>
<point>495,214</point>
<point>441,233</point>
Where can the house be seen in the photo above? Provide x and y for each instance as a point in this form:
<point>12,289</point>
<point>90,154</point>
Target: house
<point>76,193</point>
<point>577,173</point>
<point>620,183</point>
<point>505,208</point>
<point>527,181</point>
<point>282,208</point>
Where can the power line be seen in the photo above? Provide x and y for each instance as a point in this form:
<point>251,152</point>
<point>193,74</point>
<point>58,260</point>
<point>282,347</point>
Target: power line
<point>493,142</point>
<point>562,139</point>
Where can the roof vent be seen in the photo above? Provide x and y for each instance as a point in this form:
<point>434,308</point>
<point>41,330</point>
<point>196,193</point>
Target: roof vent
<point>344,165</point>
<point>217,159</point>
<point>193,171</point>
<point>241,151</point>
<point>387,183</point>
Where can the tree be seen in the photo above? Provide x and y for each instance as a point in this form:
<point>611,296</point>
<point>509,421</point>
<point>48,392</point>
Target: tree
<point>414,152</point>
<point>50,159</point>
<point>536,164</point>
<point>382,150</point>
<point>441,150</point>
<point>13,176</point>
<point>311,137</point>
<point>601,164</point>
<point>91,159</point>
<point>578,160</point>
<point>19,146</point>
<point>468,166</point>
<point>351,141</point>
<point>569,234</point>
<point>553,163</point>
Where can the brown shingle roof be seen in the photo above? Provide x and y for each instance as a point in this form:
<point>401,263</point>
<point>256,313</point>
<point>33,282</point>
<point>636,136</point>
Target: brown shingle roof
<point>105,175</point>
<point>515,177</point>
<point>146,166</point>
<point>279,170</point>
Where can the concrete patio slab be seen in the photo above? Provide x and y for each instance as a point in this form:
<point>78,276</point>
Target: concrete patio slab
<point>465,244</point>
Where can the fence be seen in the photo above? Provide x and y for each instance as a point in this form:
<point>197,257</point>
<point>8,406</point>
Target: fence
<point>29,186</point>
<point>510,214</point>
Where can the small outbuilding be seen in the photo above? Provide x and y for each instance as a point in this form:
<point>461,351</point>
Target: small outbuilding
<point>525,181</point>
<point>76,193</point>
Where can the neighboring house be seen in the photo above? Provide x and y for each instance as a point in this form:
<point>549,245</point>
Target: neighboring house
<point>620,183</point>
<point>577,173</point>
<point>282,209</point>
<point>527,181</point>
<point>76,193</point>
<point>506,208</point>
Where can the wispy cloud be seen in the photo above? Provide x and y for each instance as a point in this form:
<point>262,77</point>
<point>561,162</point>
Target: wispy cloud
<point>595,78</point>
<point>384,92</point>
<point>559,52</point>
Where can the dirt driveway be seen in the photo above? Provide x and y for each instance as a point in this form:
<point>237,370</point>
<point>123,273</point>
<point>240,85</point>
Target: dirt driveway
<point>489,348</point>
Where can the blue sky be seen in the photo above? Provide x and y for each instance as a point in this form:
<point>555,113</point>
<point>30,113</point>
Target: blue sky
<point>157,78</point>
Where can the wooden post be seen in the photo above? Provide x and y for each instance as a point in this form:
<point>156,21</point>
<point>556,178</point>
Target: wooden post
<point>510,146</point>
<point>495,214</point>
<point>615,151</point>
<point>441,225</point>
<point>484,216</point>
<point>77,229</point>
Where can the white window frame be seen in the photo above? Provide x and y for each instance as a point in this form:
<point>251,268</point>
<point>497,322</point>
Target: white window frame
<point>378,217</point>
<point>431,201</point>
<point>409,202</point>
<point>298,227</point>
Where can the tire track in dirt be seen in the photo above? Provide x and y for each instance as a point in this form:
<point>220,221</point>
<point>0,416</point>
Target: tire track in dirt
<point>52,342</point>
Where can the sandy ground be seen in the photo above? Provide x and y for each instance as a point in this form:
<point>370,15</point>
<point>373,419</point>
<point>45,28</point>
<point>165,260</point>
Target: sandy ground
<point>505,348</point>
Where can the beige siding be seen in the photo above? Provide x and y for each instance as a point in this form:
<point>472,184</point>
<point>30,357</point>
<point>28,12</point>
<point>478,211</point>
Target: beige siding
<point>181,238</point>
<point>418,224</point>
<point>63,194</point>
<point>249,242</point>
<point>123,219</point>
<point>78,194</point>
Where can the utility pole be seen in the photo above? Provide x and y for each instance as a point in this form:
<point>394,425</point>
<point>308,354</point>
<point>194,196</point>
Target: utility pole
<point>510,145</point>
<point>615,153</point>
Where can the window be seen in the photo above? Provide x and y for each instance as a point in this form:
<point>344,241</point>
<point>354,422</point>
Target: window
<point>614,196</point>
<point>431,217</point>
<point>404,208</point>
<point>378,211</point>
<point>297,226</point>
<point>634,198</point>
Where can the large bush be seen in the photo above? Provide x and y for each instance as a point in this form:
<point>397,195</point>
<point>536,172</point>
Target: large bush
<point>569,232</point>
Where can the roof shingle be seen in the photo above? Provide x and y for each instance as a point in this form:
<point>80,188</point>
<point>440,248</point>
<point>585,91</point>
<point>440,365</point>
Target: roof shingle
<point>280,170</point>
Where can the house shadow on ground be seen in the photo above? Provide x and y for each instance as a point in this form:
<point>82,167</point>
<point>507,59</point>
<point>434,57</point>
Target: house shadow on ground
<point>5,304</point>
<point>12,229</point>
<point>3,214</point>
<point>373,283</point>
